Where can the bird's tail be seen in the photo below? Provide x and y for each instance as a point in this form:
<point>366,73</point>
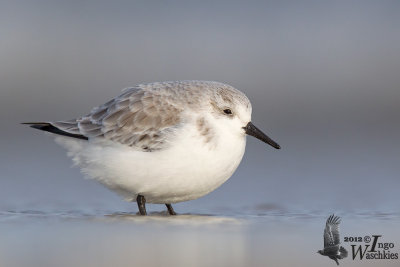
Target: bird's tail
<point>342,253</point>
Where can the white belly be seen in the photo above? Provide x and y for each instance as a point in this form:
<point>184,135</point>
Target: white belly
<point>186,170</point>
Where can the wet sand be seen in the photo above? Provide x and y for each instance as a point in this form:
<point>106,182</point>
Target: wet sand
<point>33,238</point>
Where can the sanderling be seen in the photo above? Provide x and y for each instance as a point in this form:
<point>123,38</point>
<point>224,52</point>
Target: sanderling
<point>162,142</point>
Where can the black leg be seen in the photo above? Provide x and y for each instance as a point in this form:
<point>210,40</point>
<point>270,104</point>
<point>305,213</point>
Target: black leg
<point>170,209</point>
<point>141,202</point>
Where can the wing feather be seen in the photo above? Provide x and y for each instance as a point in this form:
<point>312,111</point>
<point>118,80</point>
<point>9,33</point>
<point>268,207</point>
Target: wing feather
<point>138,118</point>
<point>331,232</point>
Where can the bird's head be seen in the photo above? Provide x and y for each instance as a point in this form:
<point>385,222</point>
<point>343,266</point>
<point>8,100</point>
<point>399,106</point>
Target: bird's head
<point>233,109</point>
<point>320,252</point>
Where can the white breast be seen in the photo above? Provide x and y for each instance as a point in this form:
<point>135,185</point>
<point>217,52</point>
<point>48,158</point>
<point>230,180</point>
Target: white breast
<point>188,169</point>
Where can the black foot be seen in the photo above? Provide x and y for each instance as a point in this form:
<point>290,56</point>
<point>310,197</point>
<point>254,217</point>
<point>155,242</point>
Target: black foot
<point>141,202</point>
<point>170,209</point>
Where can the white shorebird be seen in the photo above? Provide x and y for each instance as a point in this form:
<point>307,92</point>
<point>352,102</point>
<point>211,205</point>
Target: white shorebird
<point>163,142</point>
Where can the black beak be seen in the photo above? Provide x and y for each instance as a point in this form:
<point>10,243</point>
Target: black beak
<point>252,130</point>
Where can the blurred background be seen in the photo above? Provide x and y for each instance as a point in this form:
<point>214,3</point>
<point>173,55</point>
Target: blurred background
<point>323,77</point>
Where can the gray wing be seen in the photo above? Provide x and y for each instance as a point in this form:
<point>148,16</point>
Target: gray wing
<point>139,118</point>
<point>331,232</point>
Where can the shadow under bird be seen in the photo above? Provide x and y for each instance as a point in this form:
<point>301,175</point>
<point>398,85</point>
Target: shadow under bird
<point>332,247</point>
<point>162,142</point>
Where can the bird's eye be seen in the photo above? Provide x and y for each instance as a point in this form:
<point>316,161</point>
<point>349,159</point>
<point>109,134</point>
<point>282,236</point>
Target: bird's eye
<point>228,111</point>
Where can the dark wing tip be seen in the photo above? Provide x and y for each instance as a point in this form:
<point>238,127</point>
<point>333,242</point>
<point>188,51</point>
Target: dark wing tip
<point>332,219</point>
<point>37,125</point>
<point>46,126</point>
